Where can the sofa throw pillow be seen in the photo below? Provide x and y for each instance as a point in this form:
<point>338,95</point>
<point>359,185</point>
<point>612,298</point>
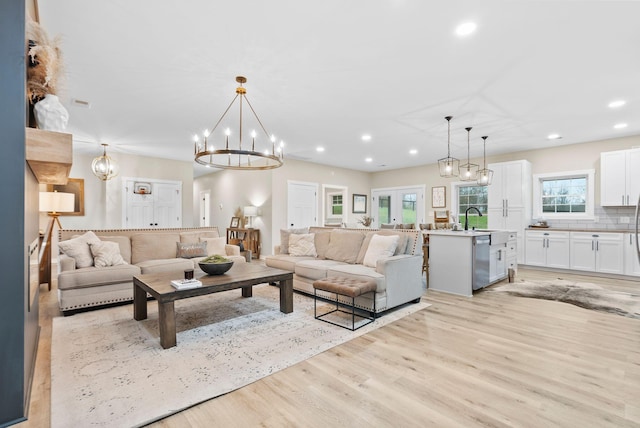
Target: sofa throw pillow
<point>215,246</point>
<point>380,247</point>
<point>106,253</point>
<point>344,245</point>
<point>78,249</point>
<point>191,250</point>
<point>302,244</point>
<point>403,240</point>
<point>284,238</point>
<point>321,243</point>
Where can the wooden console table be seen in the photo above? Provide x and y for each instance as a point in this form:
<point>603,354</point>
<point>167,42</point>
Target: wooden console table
<point>250,239</point>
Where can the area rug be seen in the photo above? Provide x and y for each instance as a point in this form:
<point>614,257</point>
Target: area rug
<point>583,294</point>
<point>108,370</point>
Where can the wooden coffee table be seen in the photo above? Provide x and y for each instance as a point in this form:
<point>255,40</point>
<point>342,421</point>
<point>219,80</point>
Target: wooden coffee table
<point>241,275</point>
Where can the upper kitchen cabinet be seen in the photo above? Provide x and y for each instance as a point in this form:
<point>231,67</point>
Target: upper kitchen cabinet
<point>620,178</point>
<point>509,199</point>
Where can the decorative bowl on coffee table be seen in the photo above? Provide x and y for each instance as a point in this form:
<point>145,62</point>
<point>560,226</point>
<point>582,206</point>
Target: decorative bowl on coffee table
<point>215,268</point>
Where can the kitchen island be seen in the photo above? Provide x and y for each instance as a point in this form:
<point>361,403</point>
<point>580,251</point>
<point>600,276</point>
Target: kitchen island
<point>463,261</point>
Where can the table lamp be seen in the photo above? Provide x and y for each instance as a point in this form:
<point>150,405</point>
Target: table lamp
<point>250,211</point>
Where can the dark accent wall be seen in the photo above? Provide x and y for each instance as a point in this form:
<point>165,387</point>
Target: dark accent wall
<point>13,320</point>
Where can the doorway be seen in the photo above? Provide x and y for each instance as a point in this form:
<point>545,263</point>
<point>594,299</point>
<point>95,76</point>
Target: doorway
<point>302,204</point>
<point>398,205</point>
<point>335,205</point>
<point>151,203</point>
<point>205,208</point>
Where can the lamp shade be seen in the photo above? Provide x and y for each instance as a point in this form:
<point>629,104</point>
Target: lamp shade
<point>57,202</point>
<point>250,211</point>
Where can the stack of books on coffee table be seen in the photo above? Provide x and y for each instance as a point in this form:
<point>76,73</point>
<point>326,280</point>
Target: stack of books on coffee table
<point>184,284</point>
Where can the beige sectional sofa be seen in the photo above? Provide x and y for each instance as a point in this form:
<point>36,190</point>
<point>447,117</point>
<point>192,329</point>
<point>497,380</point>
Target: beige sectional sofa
<point>341,252</point>
<point>104,274</point>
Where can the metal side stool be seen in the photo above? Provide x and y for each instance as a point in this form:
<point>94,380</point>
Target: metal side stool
<point>347,287</point>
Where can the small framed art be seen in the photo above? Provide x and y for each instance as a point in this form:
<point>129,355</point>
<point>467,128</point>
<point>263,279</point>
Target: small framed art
<point>235,222</point>
<point>359,204</point>
<point>439,197</point>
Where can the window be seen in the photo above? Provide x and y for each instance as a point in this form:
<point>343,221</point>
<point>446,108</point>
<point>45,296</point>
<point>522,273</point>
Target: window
<point>336,205</point>
<point>472,196</point>
<point>564,195</point>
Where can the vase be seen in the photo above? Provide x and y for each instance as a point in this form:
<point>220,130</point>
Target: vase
<point>50,114</point>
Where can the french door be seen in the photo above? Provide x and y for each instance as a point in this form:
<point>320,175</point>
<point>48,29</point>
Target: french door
<point>398,205</point>
<point>151,203</point>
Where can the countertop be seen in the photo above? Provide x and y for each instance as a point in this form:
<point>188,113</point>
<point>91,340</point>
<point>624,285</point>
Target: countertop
<point>459,233</point>
<point>564,229</point>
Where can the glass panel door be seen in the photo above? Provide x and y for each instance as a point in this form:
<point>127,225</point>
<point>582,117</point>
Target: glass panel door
<point>384,209</point>
<point>409,208</point>
<point>398,206</point>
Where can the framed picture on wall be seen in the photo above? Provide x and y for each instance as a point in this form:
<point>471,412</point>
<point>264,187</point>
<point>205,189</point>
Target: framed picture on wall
<point>359,204</point>
<point>75,186</point>
<point>439,197</point>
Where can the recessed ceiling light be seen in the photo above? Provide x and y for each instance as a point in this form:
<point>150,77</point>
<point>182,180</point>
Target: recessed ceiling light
<point>466,28</point>
<point>553,136</point>
<point>366,137</point>
<point>319,149</point>
<point>619,125</point>
<point>617,103</point>
<point>413,151</point>
<point>368,159</point>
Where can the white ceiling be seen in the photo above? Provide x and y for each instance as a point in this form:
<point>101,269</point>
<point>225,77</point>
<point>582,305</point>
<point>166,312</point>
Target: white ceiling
<point>323,73</point>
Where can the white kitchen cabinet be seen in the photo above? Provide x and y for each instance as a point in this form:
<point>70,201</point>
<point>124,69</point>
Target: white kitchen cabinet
<point>631,263</point>
<point>512,251</point>
<point>620,177</point>
<point>497,262</point>
<point>597,252</point>
<point>509,199</point>
<point>547,248</point>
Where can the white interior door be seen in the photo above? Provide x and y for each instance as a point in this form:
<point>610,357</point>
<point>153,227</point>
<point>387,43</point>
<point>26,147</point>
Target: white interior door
<point>139,211</point>
<point>302,204</point>
<point>167,205</point>
<point>205,208</point>
<point>160,206</point>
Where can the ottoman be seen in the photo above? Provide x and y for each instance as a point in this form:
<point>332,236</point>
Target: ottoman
<point>347,287</point>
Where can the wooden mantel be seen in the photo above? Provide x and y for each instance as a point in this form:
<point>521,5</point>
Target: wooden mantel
<point>49,155</point>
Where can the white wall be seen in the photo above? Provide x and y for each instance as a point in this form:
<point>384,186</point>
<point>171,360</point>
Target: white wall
<point>356,181</point>
<point>103,200</point>
<point>231,191</point>
<point>562,158</point>
<point>268,189</point>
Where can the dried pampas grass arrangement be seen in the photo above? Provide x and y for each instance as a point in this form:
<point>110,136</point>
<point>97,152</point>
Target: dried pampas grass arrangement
<point>44,68</point>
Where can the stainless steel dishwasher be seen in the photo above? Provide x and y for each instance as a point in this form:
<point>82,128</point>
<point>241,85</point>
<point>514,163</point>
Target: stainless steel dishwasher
<point>480,261</point>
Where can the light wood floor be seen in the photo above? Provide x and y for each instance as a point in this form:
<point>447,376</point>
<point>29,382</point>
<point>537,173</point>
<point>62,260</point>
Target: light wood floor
<point>491,360</point>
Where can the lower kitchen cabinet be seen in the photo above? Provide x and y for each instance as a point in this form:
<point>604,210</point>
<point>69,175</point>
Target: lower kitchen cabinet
<point>597,252</point>
<point>512,251</point>
<point>547,248</point>
<point>631,262</point>
<point>497,262</point>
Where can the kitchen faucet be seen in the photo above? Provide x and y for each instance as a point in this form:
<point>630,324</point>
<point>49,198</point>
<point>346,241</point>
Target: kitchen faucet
<point>466,216</point>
